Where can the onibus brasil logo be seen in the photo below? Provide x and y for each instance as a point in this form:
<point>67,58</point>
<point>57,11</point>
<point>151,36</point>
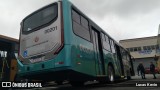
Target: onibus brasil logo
<point>19,85</point>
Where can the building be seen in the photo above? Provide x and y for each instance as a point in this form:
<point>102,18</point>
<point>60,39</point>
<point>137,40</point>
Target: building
<point>8,63</point>
<point>142,49</point>
<point>158,54</point>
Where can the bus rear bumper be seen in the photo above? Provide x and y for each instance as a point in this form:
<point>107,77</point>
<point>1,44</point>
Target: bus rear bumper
<point>58,74</point>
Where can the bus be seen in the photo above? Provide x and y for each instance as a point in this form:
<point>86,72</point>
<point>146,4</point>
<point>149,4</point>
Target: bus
<point>58,42</point>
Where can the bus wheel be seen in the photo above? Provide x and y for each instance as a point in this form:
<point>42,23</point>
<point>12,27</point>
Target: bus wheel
<point>77,83</point>
<point>111,76</point>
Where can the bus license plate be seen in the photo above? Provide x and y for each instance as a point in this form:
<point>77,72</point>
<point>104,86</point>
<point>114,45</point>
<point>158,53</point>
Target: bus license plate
<point>37,59</point>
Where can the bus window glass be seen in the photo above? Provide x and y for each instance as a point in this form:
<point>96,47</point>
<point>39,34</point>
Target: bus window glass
<point>107,39</point>
<point>127,49</point>
<point>80,30</point>
<point>40,18</point>
<point>75,16</point>
<point>112,47</point>
<point>103,37</point>
<point>128,57</point>
<point>84,23</point>
<point>123,54</point>
<point>106,44</point>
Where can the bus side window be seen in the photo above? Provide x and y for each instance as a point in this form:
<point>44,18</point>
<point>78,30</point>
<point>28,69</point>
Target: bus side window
<point>106,44</point>
<point>80,26</point>
<point>124,56</point>
<point>103,37</point>
<point>128,56</point>
<point>75,17</point>
<point>112,46</point>
<point>84,23</point>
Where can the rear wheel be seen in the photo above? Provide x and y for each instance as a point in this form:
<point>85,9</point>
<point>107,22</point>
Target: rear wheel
<point>111,75</point>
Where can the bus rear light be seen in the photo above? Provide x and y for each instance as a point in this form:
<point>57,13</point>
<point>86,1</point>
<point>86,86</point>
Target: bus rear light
<point>59,63</point>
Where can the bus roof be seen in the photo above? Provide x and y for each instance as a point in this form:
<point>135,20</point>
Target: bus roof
<point>94,24</point>
<point>2,37</point>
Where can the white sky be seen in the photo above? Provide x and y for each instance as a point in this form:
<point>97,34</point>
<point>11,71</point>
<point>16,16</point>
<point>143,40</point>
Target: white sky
<point>121,19</point>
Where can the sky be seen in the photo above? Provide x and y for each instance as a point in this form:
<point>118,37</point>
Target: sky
<point>121,19</point>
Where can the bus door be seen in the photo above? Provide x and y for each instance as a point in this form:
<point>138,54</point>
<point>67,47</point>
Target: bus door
<point>100,70</point>
<point>119,57</point>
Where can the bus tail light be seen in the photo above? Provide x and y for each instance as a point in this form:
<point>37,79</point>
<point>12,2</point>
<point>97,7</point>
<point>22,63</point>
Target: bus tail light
<point>59,63</point>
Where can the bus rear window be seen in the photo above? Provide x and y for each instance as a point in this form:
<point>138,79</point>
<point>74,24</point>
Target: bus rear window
<point>41,17</point>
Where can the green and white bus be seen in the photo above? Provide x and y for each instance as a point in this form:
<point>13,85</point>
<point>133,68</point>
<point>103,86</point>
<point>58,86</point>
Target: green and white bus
<point>58,42</point>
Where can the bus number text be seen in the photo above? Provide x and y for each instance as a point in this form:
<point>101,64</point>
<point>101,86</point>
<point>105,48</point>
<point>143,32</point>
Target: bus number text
<point>50,30</point>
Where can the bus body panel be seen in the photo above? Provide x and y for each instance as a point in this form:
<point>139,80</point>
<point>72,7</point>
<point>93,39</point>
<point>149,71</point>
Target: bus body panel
<point>83,56</point>
<point>81,61</point>
<point>78,61</point>
<point>67,21</point>
<point>56,64</point>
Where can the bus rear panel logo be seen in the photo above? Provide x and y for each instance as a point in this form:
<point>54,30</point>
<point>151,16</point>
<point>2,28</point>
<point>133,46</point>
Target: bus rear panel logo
<point>36,39</point>
<point>6,84</point>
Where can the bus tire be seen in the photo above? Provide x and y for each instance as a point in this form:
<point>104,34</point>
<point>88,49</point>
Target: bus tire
<point>111,74</point>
